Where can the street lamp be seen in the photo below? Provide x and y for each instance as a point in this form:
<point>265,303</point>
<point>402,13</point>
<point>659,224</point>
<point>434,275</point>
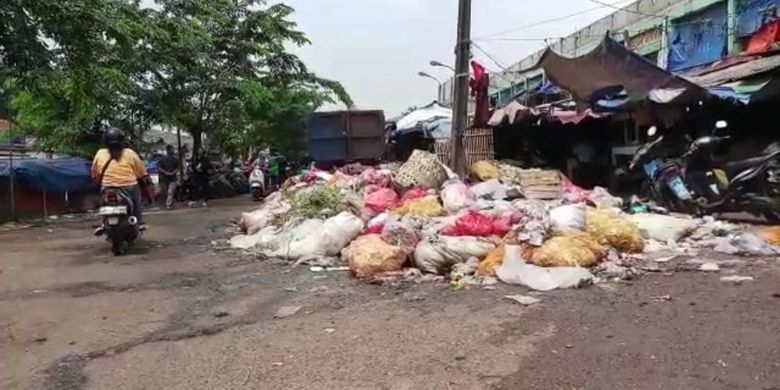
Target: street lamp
<point>442,65</point>
<point>441,86</point>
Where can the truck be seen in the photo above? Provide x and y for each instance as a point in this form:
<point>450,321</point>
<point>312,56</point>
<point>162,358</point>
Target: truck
<point>347,136</point>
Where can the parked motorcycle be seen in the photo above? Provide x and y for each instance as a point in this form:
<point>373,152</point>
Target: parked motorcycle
<point>120,226</point>
<point>751,185</point>
<point>699,183</point>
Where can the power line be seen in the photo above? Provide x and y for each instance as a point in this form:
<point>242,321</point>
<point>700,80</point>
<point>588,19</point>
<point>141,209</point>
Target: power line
<point>542,22</point>
<point>613,6</point>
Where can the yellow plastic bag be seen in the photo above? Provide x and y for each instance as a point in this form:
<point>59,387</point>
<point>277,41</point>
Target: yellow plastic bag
<point>369,255</point>
<point>574,249</point>
<point>428,206</point>
<point>771,235</point>
<point>494,259</point>
<point>485,170</point>
<point>611,229</point>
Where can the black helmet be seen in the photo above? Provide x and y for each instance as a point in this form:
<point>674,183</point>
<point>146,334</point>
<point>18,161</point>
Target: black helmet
<point>113,138</point>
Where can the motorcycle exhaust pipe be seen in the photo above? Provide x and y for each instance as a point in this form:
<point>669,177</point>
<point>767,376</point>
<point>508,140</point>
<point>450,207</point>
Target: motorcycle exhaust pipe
<point>132,220</point>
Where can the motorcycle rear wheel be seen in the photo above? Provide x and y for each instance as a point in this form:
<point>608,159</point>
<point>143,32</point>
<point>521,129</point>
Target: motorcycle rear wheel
<point>117,247</point>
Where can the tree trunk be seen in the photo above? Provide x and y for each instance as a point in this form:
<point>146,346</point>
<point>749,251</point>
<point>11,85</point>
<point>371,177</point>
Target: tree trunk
<point>197,140</point>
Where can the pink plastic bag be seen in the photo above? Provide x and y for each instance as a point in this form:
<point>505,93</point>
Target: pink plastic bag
<point>477,224</point>
<point>573,193</point>
<point>414,193</point>
<point>373,176</point>
<point>381,200</point>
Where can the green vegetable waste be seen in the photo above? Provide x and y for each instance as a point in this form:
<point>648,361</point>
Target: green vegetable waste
<point>320,202</point>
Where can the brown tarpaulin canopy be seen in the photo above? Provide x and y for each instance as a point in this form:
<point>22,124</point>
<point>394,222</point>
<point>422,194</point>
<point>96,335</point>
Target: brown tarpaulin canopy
<point>611,66</point>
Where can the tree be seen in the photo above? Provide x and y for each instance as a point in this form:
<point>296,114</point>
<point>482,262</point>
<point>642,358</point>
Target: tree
<point>223,69</point>
<point>215,67</point>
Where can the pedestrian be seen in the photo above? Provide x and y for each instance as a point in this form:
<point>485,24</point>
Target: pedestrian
<point>200,175</point>
<point>168,166</point>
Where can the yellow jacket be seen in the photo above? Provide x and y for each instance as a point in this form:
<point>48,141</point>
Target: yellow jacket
<point>122,173</point>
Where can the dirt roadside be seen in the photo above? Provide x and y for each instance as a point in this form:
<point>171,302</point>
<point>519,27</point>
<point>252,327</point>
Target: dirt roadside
<point>177,315</point>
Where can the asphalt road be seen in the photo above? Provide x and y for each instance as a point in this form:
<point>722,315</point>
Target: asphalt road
<point>175,314</point>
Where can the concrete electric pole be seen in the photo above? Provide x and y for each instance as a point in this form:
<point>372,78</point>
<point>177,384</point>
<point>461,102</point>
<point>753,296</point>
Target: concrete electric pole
<point>460,111</point>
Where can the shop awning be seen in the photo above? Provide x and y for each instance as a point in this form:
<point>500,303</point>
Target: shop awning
<point>613,70</point>
<point>747,82</point>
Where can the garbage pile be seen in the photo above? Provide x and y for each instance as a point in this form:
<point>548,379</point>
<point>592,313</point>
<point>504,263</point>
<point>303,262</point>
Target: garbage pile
<point>526,227</point>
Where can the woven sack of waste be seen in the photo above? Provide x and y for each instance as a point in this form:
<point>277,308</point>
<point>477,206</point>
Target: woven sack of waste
<point>614,230</point>
<point>573,249</point>
<point>437,254</point>
<point>422,169</point>
<point>428,206</point>
<point>369,255</point>
<point>485,170</point>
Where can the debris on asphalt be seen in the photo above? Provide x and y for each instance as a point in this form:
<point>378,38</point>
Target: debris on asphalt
<point>736,279</point>
<point>524,300</point>
<point>286,311</point>
<point>419,222</point>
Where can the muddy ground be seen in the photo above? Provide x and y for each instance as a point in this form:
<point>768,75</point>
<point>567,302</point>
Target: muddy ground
<point>175,314</point>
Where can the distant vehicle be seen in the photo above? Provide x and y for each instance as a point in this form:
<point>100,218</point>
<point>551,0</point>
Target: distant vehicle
<point>346,136</point>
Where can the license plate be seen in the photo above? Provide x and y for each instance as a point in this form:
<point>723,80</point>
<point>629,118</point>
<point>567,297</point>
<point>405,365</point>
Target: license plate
<point>678,187</point>
<point>113,220</point>
<point>256,185</point>
<point>113,210</point>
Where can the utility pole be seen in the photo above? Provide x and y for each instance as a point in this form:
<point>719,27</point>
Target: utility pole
<point>461,103</point>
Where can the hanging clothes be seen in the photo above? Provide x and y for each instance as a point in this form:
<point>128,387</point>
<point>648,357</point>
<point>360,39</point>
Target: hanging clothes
<point>479,91</point>
<point>764,39</point>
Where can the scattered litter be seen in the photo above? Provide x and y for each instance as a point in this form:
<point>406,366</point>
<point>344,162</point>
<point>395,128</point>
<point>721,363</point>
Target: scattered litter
<point>286,311</point>
<point>329,330</point>
<point>524,300</point>
<point>709,267</point>
<point>736,279</point>
<point>661,298</point>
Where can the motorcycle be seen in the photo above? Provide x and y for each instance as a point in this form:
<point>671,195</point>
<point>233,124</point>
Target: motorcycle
<point>120,226</point>
<point>697,184</point>
<point>257,183</point>
<point>751,185</point>
<point>665,182</point>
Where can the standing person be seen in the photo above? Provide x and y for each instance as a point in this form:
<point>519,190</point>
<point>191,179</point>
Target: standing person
<point>120,167</point>
<point>200,172</point>
<point>276,168</point>
<point>168,166</point>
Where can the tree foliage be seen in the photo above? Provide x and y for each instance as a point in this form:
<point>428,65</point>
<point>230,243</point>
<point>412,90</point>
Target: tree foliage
<point>213,67</point>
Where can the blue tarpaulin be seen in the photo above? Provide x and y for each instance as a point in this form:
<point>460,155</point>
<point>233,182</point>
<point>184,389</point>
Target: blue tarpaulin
<point>699,39</point>
<point>58,175</point>
<point>755,13</point>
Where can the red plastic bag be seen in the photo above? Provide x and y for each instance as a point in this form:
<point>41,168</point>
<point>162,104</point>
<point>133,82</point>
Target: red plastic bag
<point>572,193</point>
<point>477,224</point>
<point>414,193</point>
<point>381,200</point>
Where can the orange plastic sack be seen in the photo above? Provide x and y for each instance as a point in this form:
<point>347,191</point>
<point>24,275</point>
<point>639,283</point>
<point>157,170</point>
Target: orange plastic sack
<point>575,249</point>
<point>611,229</point>
<point>369,255</point>
<point>771,235</point>
<point>494,259</point>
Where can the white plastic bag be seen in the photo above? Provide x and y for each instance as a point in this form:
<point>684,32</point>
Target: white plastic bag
<point>514,270</point>
<point>313,237</point>
<point>261,238</point>
<point>338,231</point>
<point>663,228</point>
<point>437,254</point>
<point>569,217</point>
<point>491,189</point>
<point>457,196</point>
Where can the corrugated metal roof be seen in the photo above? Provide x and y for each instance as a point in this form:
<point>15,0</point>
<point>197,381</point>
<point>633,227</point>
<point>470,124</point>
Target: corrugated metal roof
<point>738,72</point>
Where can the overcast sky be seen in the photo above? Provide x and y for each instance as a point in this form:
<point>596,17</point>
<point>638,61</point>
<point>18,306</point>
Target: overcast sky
<point>377,47</point>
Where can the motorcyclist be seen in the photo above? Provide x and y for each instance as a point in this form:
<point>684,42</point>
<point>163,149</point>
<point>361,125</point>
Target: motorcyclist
<point>120,167</point>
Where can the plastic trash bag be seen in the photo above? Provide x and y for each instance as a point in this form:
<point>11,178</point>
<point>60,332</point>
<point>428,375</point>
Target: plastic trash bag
<point>437,254</point>
<point>380,177</point>
<point>602,199</point>
<point>401,235</point>
<point>771,235</point>
<point>428,206</point>
<point>261,238</point>
<point>487,268</point>
<point>326,239</point>
<point>574,249</point>
<point>414,193</point>
<point>663,228</point>
<point>381,200</point>
<point>491,189</point>
<point>370,255</point>
<point>474,223</point>
<point>569,217</point>
<point>514,270</point>
<point>614,230</point>
<point>484,171</point>
<point>457,196</point>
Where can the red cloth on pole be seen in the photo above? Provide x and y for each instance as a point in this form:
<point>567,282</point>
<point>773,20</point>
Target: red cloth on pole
<point>479,90</point>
